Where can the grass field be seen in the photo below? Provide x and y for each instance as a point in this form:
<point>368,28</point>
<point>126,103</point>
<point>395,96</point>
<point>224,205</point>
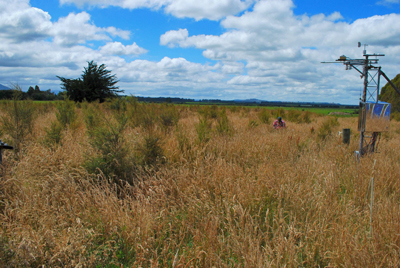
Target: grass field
<point>125,184</point>
<point>323,111</point>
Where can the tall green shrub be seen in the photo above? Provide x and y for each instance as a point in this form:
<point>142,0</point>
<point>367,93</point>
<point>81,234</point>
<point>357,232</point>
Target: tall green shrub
<point>53,134</point>
<point>223,124</point>
<point>169,116</point>
<point>66,113</point>
<point>150,152</point>
<point>17,122</point>
<point>92,118</point>
<point>325,130</point>
<point>112,154</point>
<point>203,129</point>
<point>143,115</point>
<point>264,116</point>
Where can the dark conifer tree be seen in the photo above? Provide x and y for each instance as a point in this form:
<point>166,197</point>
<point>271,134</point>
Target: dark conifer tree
<point>96,83</point>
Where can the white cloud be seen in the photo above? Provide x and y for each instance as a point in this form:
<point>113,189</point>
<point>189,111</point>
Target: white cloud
<point>266,52</point>
<point>271,32</point>
<point>284,51</point>
<point>77,29</point>
<point>130,4</point>
<point>117,48</point>
<point>19,22</point>
<point>173,38</point>
<point>206,9</point>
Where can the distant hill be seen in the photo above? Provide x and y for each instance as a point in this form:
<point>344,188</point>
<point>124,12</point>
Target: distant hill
<point>4,87</point>
<point>388,94</point>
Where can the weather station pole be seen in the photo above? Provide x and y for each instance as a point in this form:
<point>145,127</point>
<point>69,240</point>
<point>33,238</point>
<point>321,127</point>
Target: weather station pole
<point>364,99</point>
<point>371,109</point>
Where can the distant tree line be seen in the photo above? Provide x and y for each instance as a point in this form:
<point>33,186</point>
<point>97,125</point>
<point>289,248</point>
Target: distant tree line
<point>37,94</point>
<point>164,100</point>
<point>33,93</point>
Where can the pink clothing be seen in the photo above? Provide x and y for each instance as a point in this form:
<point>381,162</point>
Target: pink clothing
<point>280,124</point>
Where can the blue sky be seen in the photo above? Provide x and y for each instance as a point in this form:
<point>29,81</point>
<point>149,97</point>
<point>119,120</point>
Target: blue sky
<point>227,49</point>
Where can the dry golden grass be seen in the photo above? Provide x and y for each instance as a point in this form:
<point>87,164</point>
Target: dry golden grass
<point>255,198</point>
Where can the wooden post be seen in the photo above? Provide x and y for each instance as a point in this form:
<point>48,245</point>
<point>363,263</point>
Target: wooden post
<point>372,203</point>
<point>346,135</point>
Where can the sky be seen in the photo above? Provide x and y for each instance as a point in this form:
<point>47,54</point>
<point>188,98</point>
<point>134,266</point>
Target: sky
<point>201,49</point>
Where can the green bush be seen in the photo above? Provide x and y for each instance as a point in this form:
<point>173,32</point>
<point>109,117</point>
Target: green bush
<point>253,124</point>
<point>183,140</point>
<point>209,112</point>
<point>150,152</point>
<point>234,109</point>
<point>112,155</point>
<point>264,116</point>
<point>224,127</point>
<point>278,112</point>
<point>143,115</point>
<point>298,116</point>
<point>117,104</point>
<point>395,116</point>
<point>92,118</point>
<point>66,113</point>
<point>325,129</point>
<point>17,122</point>
<point>293,116</point>
<point>53,134</point>
<point>306,117</point>
<point>169,116</point>
<point>203,129</point>
<point>213,112</point>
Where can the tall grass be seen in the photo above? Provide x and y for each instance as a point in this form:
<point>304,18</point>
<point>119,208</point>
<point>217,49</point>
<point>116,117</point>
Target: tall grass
<point>256,198</point>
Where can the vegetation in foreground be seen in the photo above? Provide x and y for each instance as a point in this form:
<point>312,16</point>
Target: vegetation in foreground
<point>125,184</point>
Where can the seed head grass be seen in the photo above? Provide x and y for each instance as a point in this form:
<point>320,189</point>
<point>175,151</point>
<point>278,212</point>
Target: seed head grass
<point>259,197</point>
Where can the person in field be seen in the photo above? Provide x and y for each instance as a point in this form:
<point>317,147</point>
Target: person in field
<point>279,123</point>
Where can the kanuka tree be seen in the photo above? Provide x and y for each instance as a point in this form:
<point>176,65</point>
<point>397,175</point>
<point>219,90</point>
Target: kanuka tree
<point>389,94</point>
<point>96,83</point>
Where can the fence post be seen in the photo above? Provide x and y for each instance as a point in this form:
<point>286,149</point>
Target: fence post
<point>346,135</point>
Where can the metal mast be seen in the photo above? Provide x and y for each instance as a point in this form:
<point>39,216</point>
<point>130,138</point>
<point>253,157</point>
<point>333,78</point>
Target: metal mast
<point>371,75</point>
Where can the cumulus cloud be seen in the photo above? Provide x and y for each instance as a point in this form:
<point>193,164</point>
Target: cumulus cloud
<point>174,38</point>
<point>130,4</point>
<point>265,51</point>
<point>21,23</point>
<point>117,48</point>
<point>62,48</point>
<point>283,50</point>
<point>272,32</point>
<point>206,9</point>
<point>77,29</point>
<point>209,9</point>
